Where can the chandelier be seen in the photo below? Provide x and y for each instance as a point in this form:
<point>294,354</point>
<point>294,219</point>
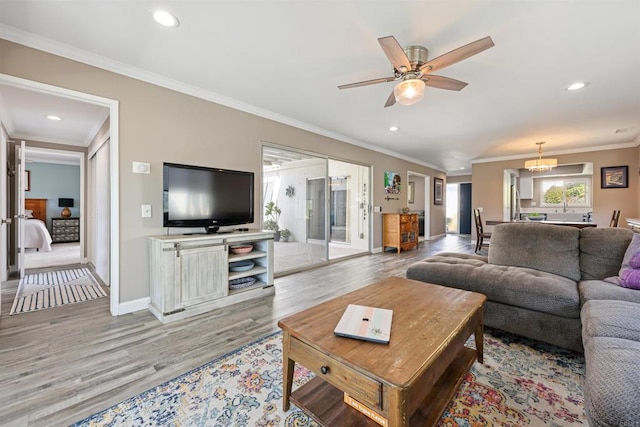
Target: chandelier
<point>540,164</point>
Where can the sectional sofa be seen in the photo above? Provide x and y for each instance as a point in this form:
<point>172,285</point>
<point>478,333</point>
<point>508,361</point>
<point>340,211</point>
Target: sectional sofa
<point>547,282</point>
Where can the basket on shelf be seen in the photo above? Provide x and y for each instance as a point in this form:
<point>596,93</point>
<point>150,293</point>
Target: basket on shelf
<point>241,283</point>
<point>241,249</point>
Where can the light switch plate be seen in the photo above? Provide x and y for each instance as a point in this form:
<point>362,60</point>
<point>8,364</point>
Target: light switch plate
<point>140,167</point>
<point>146,211</point>
<point>377,209</point>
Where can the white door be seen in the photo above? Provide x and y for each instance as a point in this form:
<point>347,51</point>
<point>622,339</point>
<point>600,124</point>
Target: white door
<point>3,210</point>
<point>101,207</point>
<point>22,179</point>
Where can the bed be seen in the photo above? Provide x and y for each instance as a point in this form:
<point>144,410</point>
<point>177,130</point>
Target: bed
<point>36,234</point>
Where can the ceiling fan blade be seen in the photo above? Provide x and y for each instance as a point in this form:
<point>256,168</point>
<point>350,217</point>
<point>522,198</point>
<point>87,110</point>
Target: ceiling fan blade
<point>443,82</point>
<point>394,52</point>
<point>367,82</point>
<point>457,55</point>
<point>391,100</point>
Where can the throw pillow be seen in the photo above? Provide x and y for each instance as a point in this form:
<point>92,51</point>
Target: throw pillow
<point>634,262</point>
<point>632,249</point>
<point>630,278</point>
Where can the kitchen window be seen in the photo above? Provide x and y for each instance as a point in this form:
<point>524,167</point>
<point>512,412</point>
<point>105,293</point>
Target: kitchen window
<point>565,192</point>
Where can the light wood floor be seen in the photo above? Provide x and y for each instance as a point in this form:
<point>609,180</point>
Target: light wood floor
<point>60,365</point>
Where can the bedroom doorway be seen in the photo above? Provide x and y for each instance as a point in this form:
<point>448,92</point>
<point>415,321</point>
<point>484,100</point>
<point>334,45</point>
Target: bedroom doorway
<point>105,112</point>
<point>55,179</point>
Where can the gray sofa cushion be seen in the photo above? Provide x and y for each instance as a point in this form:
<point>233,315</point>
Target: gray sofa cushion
<point>612,381</point>
<point>602,251</point>
<point>550,248</point>
<point>601,290</point>
<point>606,318</point>
<point>515,286</point>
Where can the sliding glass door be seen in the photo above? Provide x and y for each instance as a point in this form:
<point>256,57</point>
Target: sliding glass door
<point>319,207</point>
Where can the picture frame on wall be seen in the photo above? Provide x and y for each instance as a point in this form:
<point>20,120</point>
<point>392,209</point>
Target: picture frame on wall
<point>392,183</point>
<point>411,189</point>
<point>438,191</point>
<point>27,184</point>
<point>614,177</point>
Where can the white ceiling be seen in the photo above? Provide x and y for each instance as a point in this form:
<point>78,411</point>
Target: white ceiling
<point>285,59</point>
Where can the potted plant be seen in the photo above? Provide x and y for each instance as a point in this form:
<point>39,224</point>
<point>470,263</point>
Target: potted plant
<point>285,233</point>
<point>272,214</point>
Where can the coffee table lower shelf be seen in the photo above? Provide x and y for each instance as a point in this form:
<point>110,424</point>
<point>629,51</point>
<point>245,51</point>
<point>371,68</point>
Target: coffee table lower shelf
<point>325,403</point>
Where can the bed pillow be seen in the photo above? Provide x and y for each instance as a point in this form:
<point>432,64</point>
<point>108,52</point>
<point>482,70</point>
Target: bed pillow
<point>28,213</point>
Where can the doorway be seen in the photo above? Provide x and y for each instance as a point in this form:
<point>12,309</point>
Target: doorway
<point>323,207</point>
<point>110,109</point>
<point>458,209</point>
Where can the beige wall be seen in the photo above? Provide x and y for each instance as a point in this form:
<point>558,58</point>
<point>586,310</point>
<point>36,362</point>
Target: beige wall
<point>459,179</point>
<point>487,184</point>
<point>158,125</point>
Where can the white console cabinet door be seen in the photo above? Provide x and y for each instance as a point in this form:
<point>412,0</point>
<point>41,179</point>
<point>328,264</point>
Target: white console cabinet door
<point>203,274</point>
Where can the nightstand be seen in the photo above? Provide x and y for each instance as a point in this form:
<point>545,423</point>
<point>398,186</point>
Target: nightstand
<point>65,230</point>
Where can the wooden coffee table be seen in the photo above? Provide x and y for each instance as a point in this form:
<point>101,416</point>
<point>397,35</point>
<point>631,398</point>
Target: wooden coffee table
<point>410,381</point>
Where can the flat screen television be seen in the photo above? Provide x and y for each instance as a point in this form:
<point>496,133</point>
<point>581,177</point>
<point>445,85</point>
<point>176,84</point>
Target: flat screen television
<point>195,196</point>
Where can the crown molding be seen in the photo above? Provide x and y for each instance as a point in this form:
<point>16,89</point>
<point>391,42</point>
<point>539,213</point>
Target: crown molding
<point>632,144</point>
<point>60,49</point>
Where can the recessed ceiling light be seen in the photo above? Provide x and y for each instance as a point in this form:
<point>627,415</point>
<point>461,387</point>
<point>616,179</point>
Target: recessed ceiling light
<point>462,168</point>
<point>577,85</point>
<point>55,118</point>
<point>393,128</point>
<point>166,19</point>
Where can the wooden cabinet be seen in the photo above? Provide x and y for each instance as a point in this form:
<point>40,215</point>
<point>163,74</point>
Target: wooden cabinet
<point>65,230</point>
<point>400,231</point>
<point>190,274</point>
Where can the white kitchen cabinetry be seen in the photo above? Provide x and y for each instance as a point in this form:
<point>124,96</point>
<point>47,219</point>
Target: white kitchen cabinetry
<point>189,274</point>
<point>526,187</point>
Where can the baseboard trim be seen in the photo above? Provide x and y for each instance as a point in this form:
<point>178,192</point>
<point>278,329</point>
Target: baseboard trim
<point>437,236</point>
<point>376,250</point>
<point>133,306</point>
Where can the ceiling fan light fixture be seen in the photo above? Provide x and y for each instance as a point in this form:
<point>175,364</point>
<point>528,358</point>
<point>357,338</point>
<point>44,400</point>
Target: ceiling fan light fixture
<point>540,164</point>
<point>409,92</point>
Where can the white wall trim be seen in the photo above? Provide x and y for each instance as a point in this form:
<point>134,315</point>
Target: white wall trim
<point>377,250</point>
<point>558,153</point>
<point>437,236</point>
<point>133,306</point>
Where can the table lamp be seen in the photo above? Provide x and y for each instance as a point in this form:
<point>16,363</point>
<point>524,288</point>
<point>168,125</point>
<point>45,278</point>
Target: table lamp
<point>66,204</point>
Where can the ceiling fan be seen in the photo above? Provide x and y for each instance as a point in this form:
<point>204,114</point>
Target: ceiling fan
<point>412,69</point>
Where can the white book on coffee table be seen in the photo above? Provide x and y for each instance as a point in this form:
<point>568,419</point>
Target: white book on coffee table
<point>365,323</point>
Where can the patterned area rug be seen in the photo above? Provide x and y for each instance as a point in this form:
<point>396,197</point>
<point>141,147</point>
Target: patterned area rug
<point>55,288</point>
<point>521,383</point>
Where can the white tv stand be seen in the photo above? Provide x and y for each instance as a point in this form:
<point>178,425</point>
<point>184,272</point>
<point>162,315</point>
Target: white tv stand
<point>190,274</point>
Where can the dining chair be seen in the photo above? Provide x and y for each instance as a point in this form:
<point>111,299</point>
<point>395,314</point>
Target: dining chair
<point>481,234</point>
<point>615,218</point>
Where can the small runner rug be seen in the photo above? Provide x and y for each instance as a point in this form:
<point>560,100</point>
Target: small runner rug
<point>55,288</point>
<point>521,383</point>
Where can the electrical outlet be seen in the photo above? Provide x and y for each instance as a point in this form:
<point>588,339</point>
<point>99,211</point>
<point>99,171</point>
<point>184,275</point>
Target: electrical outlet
<point>146,211</point>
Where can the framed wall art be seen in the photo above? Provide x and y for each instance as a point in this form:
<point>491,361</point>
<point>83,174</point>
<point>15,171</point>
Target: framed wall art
<point>438,191</point>
<point>411,189</point>
<point>614,177</point>
<point>392,183</point>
